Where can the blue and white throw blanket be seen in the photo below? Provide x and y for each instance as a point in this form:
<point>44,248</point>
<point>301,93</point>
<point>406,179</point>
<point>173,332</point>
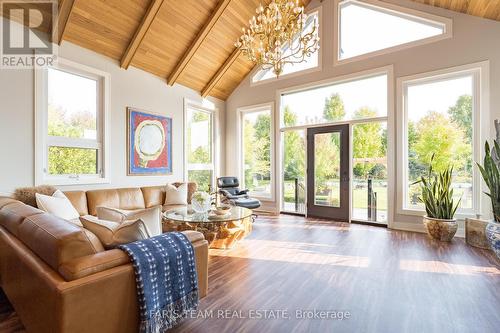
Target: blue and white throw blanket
<point>167,284</point>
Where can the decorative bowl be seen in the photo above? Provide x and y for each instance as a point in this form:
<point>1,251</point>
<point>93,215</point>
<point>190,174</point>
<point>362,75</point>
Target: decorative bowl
<point>222,210</point>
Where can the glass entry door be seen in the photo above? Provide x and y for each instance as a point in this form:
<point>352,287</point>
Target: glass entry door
<point>328,172</point>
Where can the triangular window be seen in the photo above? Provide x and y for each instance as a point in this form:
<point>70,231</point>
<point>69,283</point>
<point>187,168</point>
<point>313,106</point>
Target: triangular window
<point>367,29</point>
<point>311,62</point>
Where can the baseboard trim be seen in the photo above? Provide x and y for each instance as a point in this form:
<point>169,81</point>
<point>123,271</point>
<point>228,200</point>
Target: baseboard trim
<point>5,194</point>
<point>419,227</point>
<point>266,212</point>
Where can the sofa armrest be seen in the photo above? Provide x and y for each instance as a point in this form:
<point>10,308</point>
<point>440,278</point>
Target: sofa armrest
<point>200,245</point>
<point>91,264</point>
<point>95,263</point>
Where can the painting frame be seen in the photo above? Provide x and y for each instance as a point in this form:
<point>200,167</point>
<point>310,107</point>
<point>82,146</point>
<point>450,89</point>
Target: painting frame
<point>135,118</point>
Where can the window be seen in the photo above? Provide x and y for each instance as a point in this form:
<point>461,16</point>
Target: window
<point>257,150</point>
<point>70,120</point>
<point>200,151</point>
<point>361,100</point>
<point>336,102</point>
<point>441,117</point>
<point>294,169</point>
<point>369,169</point>
<point>311,62</point>
<point>386,27</point>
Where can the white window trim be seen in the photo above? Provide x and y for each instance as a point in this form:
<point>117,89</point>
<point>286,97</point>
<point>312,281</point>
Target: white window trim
<point>317,68</point>
<point>481,120</point>
<point>214,112</point>
<point>42,140</point>
<point>241,112</point>
<point>397,10</point>
<point>389,119</point>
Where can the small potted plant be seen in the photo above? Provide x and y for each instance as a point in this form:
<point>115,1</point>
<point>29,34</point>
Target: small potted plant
<point>491,176</point>
<point>437,196</point>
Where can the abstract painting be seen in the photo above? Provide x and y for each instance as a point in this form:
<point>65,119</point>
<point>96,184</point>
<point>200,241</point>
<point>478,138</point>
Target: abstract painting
<point>149,143</point>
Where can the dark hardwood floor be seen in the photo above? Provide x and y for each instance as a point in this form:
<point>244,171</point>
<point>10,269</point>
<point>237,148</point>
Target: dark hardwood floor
<point>387,281</point>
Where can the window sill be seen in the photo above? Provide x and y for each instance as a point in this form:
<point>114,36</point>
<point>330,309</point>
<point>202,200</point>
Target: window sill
<point>67,182</point>
<point>415,212</point>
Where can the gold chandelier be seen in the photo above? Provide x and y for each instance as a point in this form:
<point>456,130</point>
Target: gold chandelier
<point>276,36</point>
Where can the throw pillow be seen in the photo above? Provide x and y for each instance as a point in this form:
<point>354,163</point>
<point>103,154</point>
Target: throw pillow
<point>176,195</point>
<point>57,204</point>
<point>150,216</point>
<point>111,234</point>
<point>27,194</point>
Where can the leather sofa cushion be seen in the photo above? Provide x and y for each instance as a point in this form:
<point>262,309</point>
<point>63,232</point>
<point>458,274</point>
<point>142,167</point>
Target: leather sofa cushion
<point>123,198</point>
<point>79,200</point>
<point>13,215</point>
<point>54,240</point>
<point>153,195</point>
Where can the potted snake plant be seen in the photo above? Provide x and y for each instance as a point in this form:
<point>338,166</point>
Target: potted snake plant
<point>491,176</point>
<point>440,207</point>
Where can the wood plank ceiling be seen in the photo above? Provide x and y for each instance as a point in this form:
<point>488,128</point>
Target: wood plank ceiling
<point>190,42</point>
<point>489,9</point>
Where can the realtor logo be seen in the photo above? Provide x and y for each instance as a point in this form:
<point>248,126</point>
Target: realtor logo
<point>26,29</point>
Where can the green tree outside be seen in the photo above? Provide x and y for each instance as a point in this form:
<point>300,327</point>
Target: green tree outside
<point>461,114</point>
<point>334,109</point>
<point>69,161</point>
<point>367,142</point>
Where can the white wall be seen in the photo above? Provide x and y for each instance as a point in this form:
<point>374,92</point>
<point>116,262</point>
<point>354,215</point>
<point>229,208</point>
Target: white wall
<point>474,40</point>
<point>131,87</point>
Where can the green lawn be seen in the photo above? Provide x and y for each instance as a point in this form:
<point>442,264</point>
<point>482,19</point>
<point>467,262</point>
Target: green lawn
<point>359,195</point>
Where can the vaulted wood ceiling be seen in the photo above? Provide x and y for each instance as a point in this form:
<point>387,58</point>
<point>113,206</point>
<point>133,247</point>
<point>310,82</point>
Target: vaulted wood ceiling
<point>489,9</point>
<point>190,42</point>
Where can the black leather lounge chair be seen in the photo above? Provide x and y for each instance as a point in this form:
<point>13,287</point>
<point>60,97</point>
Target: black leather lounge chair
<point>231,194</point>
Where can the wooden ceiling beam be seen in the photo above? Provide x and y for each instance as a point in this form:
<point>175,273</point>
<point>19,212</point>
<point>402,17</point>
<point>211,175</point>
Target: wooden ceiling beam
<point>64,12</point>
<point>220,72</point>
<point>228,63</point>
<point>141,31</point>
<point>200,38</point>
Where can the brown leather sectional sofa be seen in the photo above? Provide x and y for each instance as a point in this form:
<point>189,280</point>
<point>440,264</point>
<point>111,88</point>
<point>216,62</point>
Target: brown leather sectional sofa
<point>58,276</point>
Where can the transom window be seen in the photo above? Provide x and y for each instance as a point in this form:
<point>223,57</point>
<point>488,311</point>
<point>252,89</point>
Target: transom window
<point>309,63</point>
<point>337,102</point>
<point>71,113</point>
<point>384,26</point>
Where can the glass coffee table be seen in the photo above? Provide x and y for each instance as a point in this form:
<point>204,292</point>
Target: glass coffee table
<point>221,232</point>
